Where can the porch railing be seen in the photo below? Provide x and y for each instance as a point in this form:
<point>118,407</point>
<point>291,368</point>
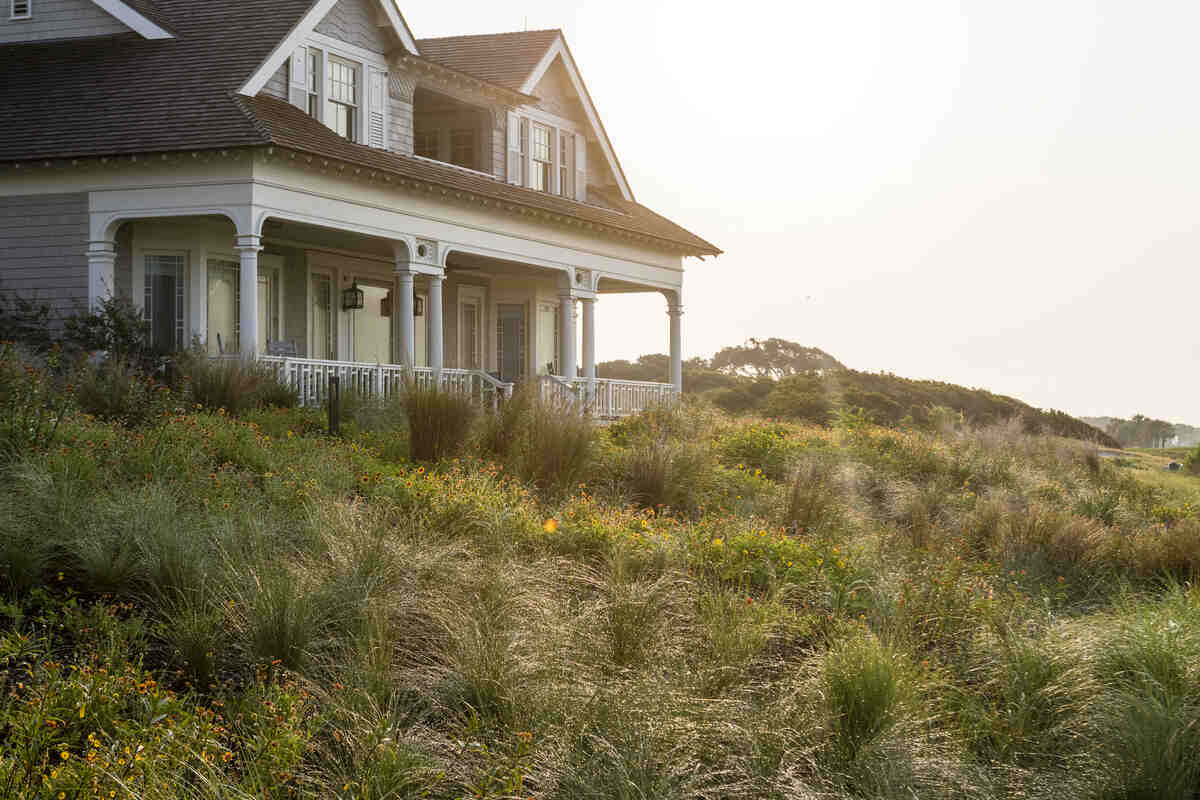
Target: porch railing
<point>603,398</point>
<point>607,398</point>
<point>310,377</point>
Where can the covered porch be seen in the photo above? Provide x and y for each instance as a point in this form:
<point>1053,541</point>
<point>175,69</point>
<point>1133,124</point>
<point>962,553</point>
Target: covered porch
<point>379,313</point>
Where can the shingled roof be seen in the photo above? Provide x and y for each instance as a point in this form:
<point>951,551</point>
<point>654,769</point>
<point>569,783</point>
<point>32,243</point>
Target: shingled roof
<point>150,11</point>
<point>504,58</point>
<point>286,126</point>
<point>125,94</point>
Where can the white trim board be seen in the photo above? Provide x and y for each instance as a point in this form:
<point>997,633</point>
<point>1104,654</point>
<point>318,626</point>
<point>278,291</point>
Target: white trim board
<point>559,49</point>
<point>303,29</point>
<point>133,19</point>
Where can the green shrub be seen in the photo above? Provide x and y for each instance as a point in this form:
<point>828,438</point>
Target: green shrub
<point>117,327</point>
<point>439,422</point>
<point>668,476</point>
<point>766,448</point>
<point>30,409</point>
<point>1192,462</point>
<point>25,321</point>
<point>118,389</point>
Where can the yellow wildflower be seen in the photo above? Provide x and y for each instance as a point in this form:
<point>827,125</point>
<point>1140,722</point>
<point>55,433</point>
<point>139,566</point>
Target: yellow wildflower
<point>550,525</point>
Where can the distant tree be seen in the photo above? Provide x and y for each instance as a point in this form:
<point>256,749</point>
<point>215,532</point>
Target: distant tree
<point>772,358</point>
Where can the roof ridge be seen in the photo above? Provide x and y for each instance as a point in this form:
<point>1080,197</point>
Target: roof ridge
<point>483,35</point>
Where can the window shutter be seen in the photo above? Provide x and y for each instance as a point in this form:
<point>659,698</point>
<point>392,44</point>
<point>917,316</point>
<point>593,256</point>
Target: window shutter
<point>298,79</point>
<point>514,149</point>
<point>580,167</point>
<point>377,110</point>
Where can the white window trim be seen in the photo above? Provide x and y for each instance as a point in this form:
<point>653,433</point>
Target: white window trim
<point>12,10</point>
<point>363,60</point>
<point>557,126</point>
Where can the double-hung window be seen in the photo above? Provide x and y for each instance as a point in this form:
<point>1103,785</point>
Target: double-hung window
<point>541,158</point>
<point>344,94</point>
<point>20,9</point>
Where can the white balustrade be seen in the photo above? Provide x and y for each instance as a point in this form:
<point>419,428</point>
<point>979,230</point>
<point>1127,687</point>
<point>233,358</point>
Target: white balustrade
<point>603,398</point>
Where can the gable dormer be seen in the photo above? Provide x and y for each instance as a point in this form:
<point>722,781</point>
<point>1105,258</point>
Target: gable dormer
<point>334,67</point>
<point>56,20</point>
<point>555,141</point>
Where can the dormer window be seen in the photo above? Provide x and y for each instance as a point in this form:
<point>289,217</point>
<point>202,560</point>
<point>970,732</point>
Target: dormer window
<point>542,165</point>
<point>342,107</point>
<point>20,9</point>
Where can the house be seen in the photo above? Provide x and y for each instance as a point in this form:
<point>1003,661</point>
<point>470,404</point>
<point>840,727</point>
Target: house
<point>307,182</point>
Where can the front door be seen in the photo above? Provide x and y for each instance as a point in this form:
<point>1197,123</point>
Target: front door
<point>511,342</point>
<point>372,325</point>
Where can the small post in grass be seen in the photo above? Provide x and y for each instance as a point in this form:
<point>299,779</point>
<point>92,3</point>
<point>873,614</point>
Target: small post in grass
<point>335,406</point>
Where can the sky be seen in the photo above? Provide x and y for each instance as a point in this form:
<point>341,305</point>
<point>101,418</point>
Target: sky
<point>999,195</point>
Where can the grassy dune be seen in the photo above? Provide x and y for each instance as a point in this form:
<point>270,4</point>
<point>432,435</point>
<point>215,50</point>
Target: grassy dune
<point>682,605</point>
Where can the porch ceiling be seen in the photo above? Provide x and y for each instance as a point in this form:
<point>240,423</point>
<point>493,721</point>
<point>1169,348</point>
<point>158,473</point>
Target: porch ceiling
<point>316,237</point>
<point>466,263</point>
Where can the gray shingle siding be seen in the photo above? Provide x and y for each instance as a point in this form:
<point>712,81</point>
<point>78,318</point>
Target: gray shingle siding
<point>43,246</point>
<point>277,84</point>
<point>59,19</point>
<point>400,137</point>
<point>353,21</point>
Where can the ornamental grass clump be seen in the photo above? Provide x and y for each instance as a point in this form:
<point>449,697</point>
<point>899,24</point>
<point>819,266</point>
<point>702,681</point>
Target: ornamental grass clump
<point>867,687</point>
<point>235,385</point>
<point>439,421</point>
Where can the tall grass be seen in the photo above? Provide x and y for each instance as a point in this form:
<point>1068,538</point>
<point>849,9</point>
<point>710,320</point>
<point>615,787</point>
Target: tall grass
<point>235,385</point>
<point>439,422</point>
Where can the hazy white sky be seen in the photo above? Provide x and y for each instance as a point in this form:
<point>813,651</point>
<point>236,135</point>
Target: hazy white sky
<point>997,194</point>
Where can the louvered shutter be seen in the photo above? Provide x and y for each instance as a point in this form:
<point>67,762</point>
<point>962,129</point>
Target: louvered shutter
<point>514,149</point>
<point>298,79</point>
<point>580,167</point>
<point>377,110</point>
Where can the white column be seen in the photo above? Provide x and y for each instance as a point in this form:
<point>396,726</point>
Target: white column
<point>101,256</point>
<point>566,334</point>
<point>248,246</point>
<point>589,337</point>
<point>433,333</point>
<point>403,309</point>
<point>675,311</point>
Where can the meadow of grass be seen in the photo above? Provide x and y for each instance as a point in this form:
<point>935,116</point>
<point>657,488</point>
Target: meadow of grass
<point>680,605</point>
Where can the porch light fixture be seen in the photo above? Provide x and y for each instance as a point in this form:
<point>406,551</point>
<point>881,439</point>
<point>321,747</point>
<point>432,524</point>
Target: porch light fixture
<point>418,306</point>
<point>352,298</point>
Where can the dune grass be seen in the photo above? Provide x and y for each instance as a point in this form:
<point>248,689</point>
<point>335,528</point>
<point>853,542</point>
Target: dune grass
<point>682,605</point>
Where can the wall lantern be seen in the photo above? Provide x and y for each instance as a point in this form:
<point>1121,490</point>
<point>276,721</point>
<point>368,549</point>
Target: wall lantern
<point>352,298</point>
<point>418,306</point>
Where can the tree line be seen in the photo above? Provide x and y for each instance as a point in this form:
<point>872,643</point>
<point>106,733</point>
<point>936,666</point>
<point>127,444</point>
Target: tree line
<point>785,380</point>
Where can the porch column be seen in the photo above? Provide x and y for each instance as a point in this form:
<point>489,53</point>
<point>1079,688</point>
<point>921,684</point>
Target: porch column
<point>566,334</point>
<point>433,331</point>
<point>675,312</point>
<point>101,256</point>
<point>589,337</point>
<point>248,246</point>
<point>403,309</point>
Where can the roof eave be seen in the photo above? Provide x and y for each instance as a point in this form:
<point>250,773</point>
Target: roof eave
<point>509,96</point>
